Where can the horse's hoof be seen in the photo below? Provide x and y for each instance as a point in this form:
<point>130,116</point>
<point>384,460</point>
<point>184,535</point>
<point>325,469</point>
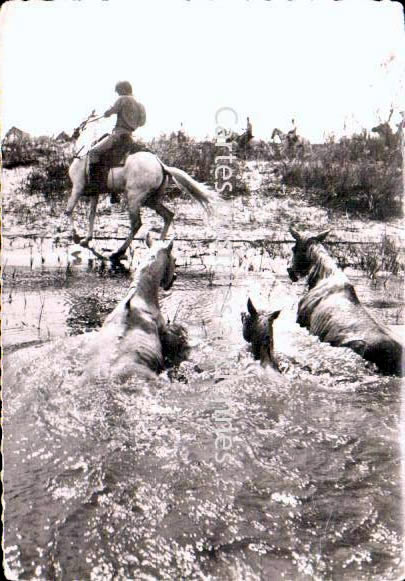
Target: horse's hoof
<point>76,238</point>
<point>116,257</point>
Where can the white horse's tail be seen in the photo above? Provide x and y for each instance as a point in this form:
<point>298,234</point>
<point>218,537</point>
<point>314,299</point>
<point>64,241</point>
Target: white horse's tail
<point>199,192</point>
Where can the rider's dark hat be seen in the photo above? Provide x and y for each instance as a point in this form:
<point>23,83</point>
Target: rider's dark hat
<point>123,88</point>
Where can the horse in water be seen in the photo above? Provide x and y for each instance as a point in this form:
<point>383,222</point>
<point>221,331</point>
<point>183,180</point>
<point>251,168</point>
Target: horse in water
<point>144,178</point>
<point>331,309</point>
<point>134,338</point>
<point>258,330</point>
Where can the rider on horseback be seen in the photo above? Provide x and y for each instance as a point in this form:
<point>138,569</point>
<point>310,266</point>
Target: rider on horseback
<point>130,116</point>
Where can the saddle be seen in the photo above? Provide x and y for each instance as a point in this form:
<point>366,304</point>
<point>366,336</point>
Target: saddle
<point>115,157</point>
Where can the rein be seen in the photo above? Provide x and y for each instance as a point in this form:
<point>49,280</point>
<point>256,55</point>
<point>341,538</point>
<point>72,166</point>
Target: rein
<point>81,128</point>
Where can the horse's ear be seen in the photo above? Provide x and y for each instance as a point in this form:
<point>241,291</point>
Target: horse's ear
<point>148,240</point>
<point>274,315</point>
<point>321,237</point>
<point>294,233</point>
<point>251,308</point>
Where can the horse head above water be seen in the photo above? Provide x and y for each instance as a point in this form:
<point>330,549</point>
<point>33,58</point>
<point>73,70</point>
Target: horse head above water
<point>301,258</point>
<point>258,330</point>
<point>130,340</point>
<point>331,309</point>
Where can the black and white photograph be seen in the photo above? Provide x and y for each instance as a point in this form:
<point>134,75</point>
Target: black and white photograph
<point>203,307</point>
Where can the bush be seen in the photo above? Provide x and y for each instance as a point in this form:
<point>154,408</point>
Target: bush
<point>50,175</point>
<point>198,159</point>
<point>374,259</point>
<point>18,153</point>
<point>356,175</point>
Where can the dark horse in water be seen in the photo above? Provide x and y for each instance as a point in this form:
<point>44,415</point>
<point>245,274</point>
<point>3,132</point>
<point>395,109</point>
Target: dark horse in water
<point>258,330</point>
<point>331,309</point>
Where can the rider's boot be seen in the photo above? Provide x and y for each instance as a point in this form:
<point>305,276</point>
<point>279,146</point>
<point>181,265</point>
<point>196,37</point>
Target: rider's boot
<point>114,198</point>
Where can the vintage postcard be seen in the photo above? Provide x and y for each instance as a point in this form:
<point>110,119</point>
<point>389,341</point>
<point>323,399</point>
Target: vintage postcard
<point>203,290</point>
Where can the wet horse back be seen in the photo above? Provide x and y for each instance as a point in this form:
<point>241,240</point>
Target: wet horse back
<point>341,321</point>
<point>136,353</point>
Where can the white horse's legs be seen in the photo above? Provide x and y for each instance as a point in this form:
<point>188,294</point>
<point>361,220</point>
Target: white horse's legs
<point>136,223</point>
<point>155,204</point>
<point>167,216</point>
<point>164,212</point>
<point>92,215</point>
<point>73,199</point>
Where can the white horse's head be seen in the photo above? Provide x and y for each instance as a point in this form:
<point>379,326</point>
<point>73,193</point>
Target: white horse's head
<point>161,254</point>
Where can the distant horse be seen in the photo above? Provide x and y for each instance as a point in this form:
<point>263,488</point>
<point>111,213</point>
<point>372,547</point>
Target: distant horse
<point>258,330</point>
<point>242,141</point>
<point>134,336</point>
<point>386,134</point>
<point>144,177</point>
<point>290,141</point>
<point>331,309</point>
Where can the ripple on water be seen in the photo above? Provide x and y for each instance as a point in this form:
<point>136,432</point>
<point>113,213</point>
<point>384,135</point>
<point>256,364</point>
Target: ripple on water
<point>228,470</point>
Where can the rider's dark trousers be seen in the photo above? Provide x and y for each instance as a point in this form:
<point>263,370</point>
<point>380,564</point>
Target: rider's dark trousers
<point>107,144</point>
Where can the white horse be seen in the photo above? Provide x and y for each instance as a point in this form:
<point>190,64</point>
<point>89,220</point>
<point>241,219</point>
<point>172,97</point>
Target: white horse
<point>144,178</point>
<point>130,340</point>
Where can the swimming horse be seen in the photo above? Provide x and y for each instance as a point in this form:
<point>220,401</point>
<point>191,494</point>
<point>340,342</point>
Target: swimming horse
<point>144,178</point>
<point>331,309</point>
<point>134,336</point>
<point>258,330</point>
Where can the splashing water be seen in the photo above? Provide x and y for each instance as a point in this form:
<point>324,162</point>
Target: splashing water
<point>226,472</point>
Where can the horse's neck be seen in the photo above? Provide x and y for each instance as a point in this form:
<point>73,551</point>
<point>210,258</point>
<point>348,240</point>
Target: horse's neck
<point>266,354</point>
<point>384,130</point>
<point>147,282</point>
<point>323,265</point>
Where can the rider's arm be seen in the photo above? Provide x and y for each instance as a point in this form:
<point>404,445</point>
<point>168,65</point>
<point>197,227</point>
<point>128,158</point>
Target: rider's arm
<point>114,109</point>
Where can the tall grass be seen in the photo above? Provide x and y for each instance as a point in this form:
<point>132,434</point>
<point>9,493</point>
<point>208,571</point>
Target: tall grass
<point>198,158</point>
<point>49,173</point>
<point>358,175</point>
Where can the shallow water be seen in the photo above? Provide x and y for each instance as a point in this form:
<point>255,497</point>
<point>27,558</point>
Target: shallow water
<point>225,472</point>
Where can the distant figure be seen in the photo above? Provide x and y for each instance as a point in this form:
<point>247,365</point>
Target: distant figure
<point>247,135</point>
<point>130,116</point>
<point>390,139</point>
<point>181,136</point>
<point>291,142</point>
<point>292,137</point>
<point>249,130</point>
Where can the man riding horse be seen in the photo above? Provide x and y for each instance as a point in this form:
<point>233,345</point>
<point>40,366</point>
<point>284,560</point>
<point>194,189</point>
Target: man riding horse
<point>130,116</point>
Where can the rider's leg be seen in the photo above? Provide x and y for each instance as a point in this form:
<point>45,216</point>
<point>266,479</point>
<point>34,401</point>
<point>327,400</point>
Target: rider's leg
<point>120,135</point>
<point>94,158</point>
<point>94,155</point>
